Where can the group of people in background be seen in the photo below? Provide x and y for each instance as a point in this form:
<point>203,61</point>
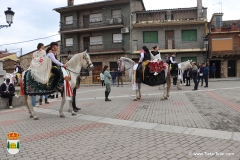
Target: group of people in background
<point>115,76</point>
<point>198,73</point>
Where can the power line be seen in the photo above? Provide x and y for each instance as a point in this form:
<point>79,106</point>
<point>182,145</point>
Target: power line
<point>29,40</point>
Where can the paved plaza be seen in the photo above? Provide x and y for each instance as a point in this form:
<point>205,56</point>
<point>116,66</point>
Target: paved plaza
<point>203,124</point>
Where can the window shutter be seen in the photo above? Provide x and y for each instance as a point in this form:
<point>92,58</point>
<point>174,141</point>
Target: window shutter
<point>69,20</point>
<point>96,40</point>
<point>117,38</point>
<point>189,35</point>
<point>95,18</point>
<point>69,41</point>
<point>150,37</point>
<point>116,13</point>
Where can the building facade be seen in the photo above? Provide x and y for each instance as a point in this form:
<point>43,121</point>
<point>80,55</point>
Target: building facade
<point>180,31</point>
<point>224,46</point>
<point>102,28</point>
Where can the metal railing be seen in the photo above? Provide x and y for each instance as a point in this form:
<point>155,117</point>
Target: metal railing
<point>91,47</point>
<point>86,23</point>
<point>137,45</point>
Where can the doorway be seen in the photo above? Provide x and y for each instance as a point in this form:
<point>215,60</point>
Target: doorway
<point>96,72</point>
<point>218,69</point>
<point>86,43</point>
<point>169,42</point>
<point>231,68</point>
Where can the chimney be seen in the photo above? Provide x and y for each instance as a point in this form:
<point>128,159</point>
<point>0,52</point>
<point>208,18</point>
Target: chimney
<point>199,9</point>
<point>70,2</point>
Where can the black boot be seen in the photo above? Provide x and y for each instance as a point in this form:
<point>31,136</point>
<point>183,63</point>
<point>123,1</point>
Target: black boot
<point>40,101</point>
<point>46,102</point>
<point>75,109</point>
<point>106,95</point>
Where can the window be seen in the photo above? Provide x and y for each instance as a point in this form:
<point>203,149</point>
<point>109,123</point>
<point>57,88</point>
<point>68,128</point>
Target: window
<point>117,38</point>
<point>116,13</point>
<point>95,18</point>
<point>150,37</point>
<point>69,20</point>
<point>69,42</point>
<point>95,40</point>
<point>189,35</point>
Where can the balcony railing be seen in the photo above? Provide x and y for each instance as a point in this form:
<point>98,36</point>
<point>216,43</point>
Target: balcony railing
<point>87,23</point>
<point>137,45</point>
<point>100,47</point>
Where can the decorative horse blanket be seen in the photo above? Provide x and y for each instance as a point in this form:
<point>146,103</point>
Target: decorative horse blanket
<point>149,78</point>
<point>33,87</point>
<point>158,66</point>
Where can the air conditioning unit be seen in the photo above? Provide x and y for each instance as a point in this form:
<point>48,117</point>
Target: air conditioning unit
<point>109,21</point>
<point>124,30</point>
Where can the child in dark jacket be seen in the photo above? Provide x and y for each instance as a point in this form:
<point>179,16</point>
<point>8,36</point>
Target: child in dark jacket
<point>188,74</point>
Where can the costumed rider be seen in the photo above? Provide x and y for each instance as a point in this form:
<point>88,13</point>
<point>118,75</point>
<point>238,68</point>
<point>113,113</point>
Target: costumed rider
<point>145,58</point>
<point>157,56</point>
<point>53,56</point>
<point>16,71</point>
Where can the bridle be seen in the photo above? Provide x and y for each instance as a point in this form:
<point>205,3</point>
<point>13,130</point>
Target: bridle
<point>120,65</point>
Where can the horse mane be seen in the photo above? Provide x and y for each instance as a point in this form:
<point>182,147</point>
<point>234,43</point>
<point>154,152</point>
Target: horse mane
<point>128,60</point>
<point>75,60</point>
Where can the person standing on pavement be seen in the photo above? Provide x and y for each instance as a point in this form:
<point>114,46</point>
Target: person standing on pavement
<point>119,77</point>
<point>7,90</point>
<point>102,79</point>
<point>213,69</point>
<point>114,76</point>
<point>194,75</point>
<point>205,74</point>
<point>107,77</point>
<point>200,74</point>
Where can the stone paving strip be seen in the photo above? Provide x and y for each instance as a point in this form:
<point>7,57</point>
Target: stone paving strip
<point>151,94</point>
<point>154,126</point>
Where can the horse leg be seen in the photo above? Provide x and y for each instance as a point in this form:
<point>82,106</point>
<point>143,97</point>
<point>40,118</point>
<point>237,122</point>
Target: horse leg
<point>168,84</point>
<point>61,107</point>
<point>178,84</point>
<point>164,92</point>
<point>71,108</point>
<point>27,106</point>
<point>31,109</point>
<point>139,90</point>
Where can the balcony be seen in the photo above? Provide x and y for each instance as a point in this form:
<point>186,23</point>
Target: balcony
<point>107,47</point>
<point>87,24</point>
<point>158,21</point>
<point>173,47</point>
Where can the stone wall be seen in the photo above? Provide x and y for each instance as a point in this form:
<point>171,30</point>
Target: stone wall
<point>8,65</point>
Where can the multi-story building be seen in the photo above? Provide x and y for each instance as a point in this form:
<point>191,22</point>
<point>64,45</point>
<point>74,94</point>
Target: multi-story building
<point>224,46</point>
<point>180,31</point>
<point>102,28</point>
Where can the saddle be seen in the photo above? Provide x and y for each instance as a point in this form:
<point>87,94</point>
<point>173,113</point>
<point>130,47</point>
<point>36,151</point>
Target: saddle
<point>149,78</point>
<point>33,87</point>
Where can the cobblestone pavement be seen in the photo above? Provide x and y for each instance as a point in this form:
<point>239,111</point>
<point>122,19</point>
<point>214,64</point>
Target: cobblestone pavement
<point>203,124</point>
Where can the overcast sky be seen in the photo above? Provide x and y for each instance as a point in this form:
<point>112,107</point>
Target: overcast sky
<point>36,19</point>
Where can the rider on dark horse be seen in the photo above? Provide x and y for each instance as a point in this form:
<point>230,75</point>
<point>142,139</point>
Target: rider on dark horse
<point>144,59</point>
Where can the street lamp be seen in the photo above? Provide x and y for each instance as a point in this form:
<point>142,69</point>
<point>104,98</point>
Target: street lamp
<point>9,18</point>
<point>206,45</point>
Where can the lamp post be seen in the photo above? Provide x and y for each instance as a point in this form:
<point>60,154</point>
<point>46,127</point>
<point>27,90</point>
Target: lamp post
<point>9,18</point>
<point>206,45</point>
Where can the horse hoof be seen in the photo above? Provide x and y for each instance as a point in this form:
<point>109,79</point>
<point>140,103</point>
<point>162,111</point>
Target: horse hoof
<point>162,99</point>
<point>135,100</point>
<point>165,97</point>
<point>74,114</point>
<point>31,116</point>
<point>36,118</point>
<point>179,88</point>
<point>69,110</point>
<point>62,116</point>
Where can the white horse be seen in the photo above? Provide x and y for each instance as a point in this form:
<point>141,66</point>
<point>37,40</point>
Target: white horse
<point>129,65</point>
<point>74,66</point>
<point>181,68</point>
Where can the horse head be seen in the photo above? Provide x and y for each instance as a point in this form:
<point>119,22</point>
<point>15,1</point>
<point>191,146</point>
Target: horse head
<point>86,61</point>
<point>121,64</point>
